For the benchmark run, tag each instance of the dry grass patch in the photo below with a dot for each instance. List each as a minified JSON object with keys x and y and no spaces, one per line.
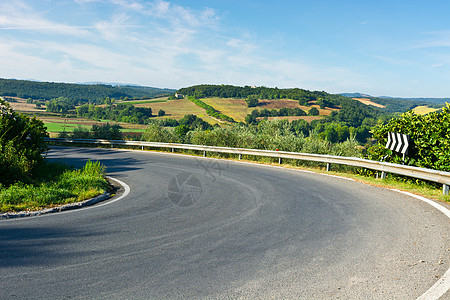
{"x":24,"y":107}
{"x":238,"y":110}
{"x":367,"y":101}
{"x":176,"y":109}
{"x":423,"y":110}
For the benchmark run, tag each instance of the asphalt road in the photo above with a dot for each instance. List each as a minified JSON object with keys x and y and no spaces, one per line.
{"x":203,"y":228}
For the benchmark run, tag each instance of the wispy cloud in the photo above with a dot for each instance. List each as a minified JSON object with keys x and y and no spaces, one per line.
{"x":152,"y":43}
{"x":177,"y":14}
{"x":435,"y":39}
{"x":129,"y":4}
{"x":394,"y":60}
{"x":16,"y":15}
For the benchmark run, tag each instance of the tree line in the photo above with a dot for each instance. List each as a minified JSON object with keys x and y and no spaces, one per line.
{"x":211,"y":110}
{"x":80,"y":92}
{"x":115,"y":112}
{"x":230,"y":91}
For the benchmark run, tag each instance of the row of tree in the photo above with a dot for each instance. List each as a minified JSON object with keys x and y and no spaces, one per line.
{"x":211,"y":110}
{"x":102,"y":131}
{"x":285,"y":111}
{"x":119,"y":113}
{"x":230,"y":91}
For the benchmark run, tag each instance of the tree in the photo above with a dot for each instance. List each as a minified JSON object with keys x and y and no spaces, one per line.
{"x":161,"y":113}
{"x":21,"y":144}
{"x":331,"y":134}
{"x":106,"y":131}
{"x":313,"y":111}
{"x":81,"y":133}
{"x":252,"y":101}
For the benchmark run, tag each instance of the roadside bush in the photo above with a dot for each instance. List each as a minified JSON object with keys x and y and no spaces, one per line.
{"x":156,"y":133}
{"x":429,"y":134}
{"x":106,"y":131}
{"x":102,"y":131}
{"x":80,"y":133}
{"x":21,"y":144}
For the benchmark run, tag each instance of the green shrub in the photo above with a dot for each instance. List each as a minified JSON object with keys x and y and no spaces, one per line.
{"x":156,"y":133}
{"x":429,"y":134}
{"x":21,"y":144}
{"x":252,"y":101}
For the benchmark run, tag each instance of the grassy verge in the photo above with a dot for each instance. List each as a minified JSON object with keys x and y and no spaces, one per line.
{"x":55,"y":184}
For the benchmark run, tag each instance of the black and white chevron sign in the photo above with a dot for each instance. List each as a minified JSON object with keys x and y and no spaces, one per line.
{"x":398,"y":142}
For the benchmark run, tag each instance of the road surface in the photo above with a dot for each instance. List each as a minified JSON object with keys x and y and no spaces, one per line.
{"x":204,"y":228}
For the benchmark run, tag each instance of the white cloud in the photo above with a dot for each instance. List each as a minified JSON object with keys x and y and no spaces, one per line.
{"x":129,"y":4}
{"x":18,"y":16}
{"x":86,"y":1}
{"x":181,"y":15}
{"x":154,"y":43}
{"x":436,"y":39}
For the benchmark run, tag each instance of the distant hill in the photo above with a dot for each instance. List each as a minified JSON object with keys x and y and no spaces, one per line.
{"x":395,"y":104}
{"x":81,"y":92}
{"x":355,"y":95}
{"x":431,"y":100}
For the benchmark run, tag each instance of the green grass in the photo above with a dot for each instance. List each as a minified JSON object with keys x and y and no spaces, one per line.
{"x":60,"y":127}
{"x":54,"y":184}
{"x":133,"y":130}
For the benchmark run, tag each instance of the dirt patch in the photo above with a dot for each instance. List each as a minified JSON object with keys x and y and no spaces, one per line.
{"x":277,"y":104}
{"x":22,"y":106}
{"x":367,"y":101}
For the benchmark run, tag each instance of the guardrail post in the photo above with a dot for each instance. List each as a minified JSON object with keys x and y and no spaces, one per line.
{"x":383,"y":167}
{"x":142,"y":148}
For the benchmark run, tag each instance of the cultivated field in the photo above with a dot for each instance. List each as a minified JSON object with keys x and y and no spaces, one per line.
{"x":22,"y":106}
{"x":56,"y":124}
{"x":176,"y":109}
{"x":238,"y":110}
{"x":423,"y":110}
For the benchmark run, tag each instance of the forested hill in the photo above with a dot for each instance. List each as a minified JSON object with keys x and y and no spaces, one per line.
{"x":81,"y":92}
{"x":351,"y":112}
{"x":304,"y":97}
{"x":231,"y":91}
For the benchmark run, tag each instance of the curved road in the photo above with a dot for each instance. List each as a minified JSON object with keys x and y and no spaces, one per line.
{"x":204,"y":228}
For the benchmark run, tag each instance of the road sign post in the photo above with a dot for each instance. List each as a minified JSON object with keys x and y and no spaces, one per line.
{"x":398,"y":142}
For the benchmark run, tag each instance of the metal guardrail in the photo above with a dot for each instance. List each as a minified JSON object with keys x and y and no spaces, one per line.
{"x":410,"y":171}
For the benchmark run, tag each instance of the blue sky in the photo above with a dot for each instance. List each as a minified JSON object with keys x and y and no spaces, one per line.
{"x":395,"y":48}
